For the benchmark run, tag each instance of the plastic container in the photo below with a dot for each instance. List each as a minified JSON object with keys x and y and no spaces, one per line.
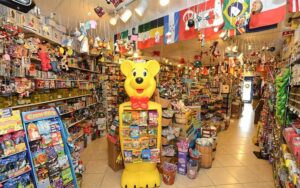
{"x":192,"y":168}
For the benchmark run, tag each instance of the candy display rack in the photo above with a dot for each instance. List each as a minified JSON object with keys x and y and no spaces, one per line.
{"x":14,"y":155}
{"x":49,"y":152}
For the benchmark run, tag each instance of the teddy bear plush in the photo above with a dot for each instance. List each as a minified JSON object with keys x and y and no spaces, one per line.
{"x":44,"y":57}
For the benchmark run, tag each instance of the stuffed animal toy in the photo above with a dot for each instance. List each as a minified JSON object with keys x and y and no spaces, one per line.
{"x":63,"y":65}
{"x":44,"y":57}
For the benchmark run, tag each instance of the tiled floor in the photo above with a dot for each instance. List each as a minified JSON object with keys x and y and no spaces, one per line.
{"x":235,"y":165}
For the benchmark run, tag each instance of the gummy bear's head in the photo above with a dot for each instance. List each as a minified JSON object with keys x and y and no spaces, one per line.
{"x":140,"y":78}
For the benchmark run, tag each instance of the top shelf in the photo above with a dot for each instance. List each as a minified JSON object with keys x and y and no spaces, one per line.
{"x":31,"y":33}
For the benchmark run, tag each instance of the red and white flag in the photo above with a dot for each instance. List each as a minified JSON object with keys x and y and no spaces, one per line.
{"x":207,"y":15}
{"x":294,"y":5}
{"x":266,"y":12}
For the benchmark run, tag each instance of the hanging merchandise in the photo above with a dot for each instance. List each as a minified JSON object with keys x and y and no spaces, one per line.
{"x":49,"y":149}
{"x":282,"y":81}
{"x":99,"y":11}
{"x":115,"y":2}
{"x":266,"y":12}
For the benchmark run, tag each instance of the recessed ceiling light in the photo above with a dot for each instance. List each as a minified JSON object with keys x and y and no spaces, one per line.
{"x":114,"y":20}
{"x":126,"y":15}
{"x":140,"y":9}
{"x":164,"y":2}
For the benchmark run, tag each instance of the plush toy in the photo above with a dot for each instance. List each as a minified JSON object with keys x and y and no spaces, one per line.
{"x":63,"y":65}
{"x":44,"y":56}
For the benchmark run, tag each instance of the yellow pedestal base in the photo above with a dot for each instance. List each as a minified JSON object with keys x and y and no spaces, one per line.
{"x":140,"y":175}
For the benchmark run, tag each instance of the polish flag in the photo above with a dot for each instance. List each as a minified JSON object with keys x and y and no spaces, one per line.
{"x":272,"y":12}
{"x":294,"y":5}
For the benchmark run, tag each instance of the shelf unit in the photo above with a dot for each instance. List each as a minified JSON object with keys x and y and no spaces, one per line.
{"x":17,"y":174}
{"x":3,"y":157}
{"x":46,"y":102}
{"x":77,"y":109}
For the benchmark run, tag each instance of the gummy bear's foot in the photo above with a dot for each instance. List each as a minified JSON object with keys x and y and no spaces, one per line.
{"x":130,"y":179}
{"x":150,"y":179}
{"x":140,"y":175}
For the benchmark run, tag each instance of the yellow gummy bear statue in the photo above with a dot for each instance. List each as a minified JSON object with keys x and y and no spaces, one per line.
{"x":140,"y":85}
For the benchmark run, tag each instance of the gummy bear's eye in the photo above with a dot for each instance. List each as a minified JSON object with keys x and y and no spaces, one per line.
{"x":134,"y":73}
{"x":144,"y":73}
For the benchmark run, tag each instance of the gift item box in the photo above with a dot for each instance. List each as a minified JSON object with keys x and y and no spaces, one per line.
{"x":113,"y":152}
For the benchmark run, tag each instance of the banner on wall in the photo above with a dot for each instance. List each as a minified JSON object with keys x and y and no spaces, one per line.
{"x":294,"y":6}
{"x":266,"y":12}
{"x":151,"y":33}
{"x":206,"y":16}
{"x":235,"y":13}
{"x":171,"y":28}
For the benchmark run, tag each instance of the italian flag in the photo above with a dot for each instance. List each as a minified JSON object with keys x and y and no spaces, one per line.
{"x":273,"y":12}
{"x":151,"y":33}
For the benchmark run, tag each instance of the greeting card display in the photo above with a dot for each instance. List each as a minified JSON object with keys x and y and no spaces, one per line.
{"x":49,"y":152}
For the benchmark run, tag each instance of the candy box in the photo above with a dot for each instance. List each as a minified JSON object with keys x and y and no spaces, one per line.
{"x":182,"y":162}
{"x":296,"y":145}
{"x":289,"y":133}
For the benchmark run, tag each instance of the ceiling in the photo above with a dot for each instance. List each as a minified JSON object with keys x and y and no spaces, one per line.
{"x":71,"y":12}
{"x":188,"y":49}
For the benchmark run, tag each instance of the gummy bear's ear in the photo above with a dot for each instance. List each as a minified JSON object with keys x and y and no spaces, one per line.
{"x":126,"y":67}
{"x":153,"y":67}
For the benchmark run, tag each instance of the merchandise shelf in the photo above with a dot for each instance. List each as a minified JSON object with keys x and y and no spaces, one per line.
{"x":46,"y":102}
{"x":78,"y":109}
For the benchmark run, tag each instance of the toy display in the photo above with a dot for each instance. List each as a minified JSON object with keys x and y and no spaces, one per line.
{"x":14,"y":161}
{"x":49,"y":152}
{"x":140,"y":126}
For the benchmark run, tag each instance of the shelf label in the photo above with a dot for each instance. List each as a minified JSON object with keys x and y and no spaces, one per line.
{"x":39,"y":114}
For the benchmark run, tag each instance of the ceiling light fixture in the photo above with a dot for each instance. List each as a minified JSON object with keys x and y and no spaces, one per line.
{"x":164,"y":2}
{"x":114,"y":20}
{"x":126,"y":15}
{"x":140,"y":9}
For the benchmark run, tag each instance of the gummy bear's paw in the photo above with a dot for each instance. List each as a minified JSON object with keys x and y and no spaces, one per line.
{"x":150,"y":179}
{"x":130,"y":179}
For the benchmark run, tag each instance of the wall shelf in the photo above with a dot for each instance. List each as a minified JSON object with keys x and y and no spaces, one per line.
{"x":46,"y":102}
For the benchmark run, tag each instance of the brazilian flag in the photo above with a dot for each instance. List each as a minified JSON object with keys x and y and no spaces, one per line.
{"x":235,"y":13}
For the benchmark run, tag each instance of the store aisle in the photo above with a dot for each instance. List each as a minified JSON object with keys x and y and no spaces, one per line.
{"x":235,"y":165}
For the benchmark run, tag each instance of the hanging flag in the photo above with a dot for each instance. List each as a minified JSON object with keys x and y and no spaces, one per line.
{"x":151,"y":33}
{"x":124,"y":35}
{"x":171,"y":28}
{"x":206,"y":16}
{"x":235,"y":13}
{"x":157,"y":31}
{"x":267,"y":12}
{"x":133,"y":33}
{"x":294,"y":5}
{"x":144,"y":35}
